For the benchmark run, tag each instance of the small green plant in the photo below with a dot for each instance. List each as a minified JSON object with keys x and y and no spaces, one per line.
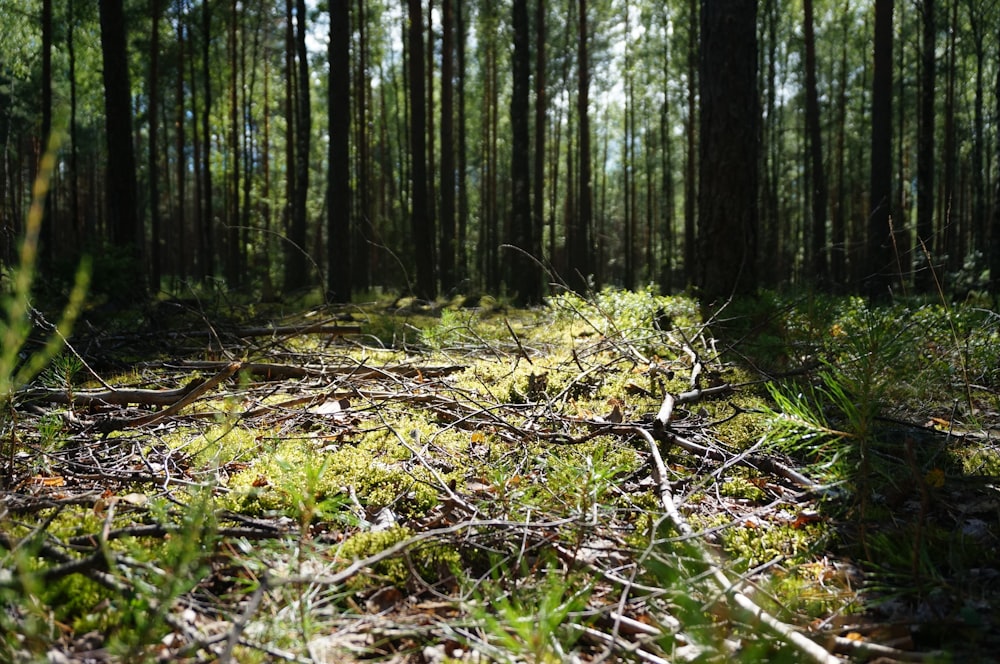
{"x":537,"y":624}
{"x":15,"y":325}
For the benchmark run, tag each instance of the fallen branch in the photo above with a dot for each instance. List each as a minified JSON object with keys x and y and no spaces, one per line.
{"x":119,"y":423}
{"x":750,"y":611}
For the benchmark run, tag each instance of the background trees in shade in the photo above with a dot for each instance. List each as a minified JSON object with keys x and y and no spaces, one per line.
{"x":432,"y":147}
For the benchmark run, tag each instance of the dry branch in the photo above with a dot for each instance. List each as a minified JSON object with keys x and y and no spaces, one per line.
{"x":746,"y":606}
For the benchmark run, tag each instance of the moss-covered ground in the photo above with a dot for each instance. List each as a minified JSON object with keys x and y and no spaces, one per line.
{"x":463,"y":481}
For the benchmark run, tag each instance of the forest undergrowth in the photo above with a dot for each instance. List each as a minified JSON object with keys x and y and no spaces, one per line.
{"x":614,"y":478}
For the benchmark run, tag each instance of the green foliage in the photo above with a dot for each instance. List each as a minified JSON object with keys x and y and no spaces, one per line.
{"x":535,"y":623}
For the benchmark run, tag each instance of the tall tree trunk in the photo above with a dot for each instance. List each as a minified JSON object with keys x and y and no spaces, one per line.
{"x":74,"y":155}
{"x":580,"y":224}
{"x":994,"y":243}
{"x":691,"y":132}
{"x":628,"y":163}
{"x":431,"y":115}
{"x":363,"y":212}
{"x":838,"y":252}
{"x":541,"y":113}
{"x":879,"y":259}
{"x":978,"y":24}
{"x":817,"y":172}
{"x":948,"y":245}
{"x":207,"y":230}
{"x":523,"y":275}
{"x":122,"y":206}
{"x":727,"y":181}
{"x":155,"y":221}
{"x":338,"y":251}
{"x":297,"y":273}
{"x":447,"y":250}
{"x":422,"y":225}
{"x":293,"y":245}
{"x":462,"y":258}
{"x":234,"y":274}
{"x":924,"y":278}
{"x":47,"y":232}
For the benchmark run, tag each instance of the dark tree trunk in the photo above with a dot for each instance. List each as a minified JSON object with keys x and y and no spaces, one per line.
{"x":207,"y":218}
{"x":74,"y":156}
{"x":122,"y":205}
{"x":296,"y":272}
{"x":523,"y":274}
{"x":878,"y":280}
{"x":838,"y":253}
{"x":541,"y":111}
{"x":579,"y":225}
{"x":994,"y":244}
{"x":463,"y":194}
{"x":727,"y":182}
{"x":924,"y":280}
{"x":447,"y":264}
{"x":47,"y":232}
{"x":422,"y":225}
{"x":691,"y":133}
{"x":817,"y":172}
{"x":234,"y":273}
{"x":338,"y":251}
{"x":155,"y":221}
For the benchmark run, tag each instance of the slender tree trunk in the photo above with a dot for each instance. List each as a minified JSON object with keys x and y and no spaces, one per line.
{"x":232,"y":261}
{"x":880,"y":264}
{"x":338,"y":251}
{"x":297,"y":273}
{"x":447,"y":251}
{"x":541,"y":112}
{"x":422,"y":225}
{"x":994,"y":244}
{"x":462,"y":258}
{"x":364,"y":213}
{"x":74,"y":155}
{"x":977,"y":24}
{"x":155,"y":221}
{"x":949,"y":216}
{"x":523,"y":274}
{"x":628,"y":163}
{"x":924,"y":279}
{"x":691,"y":132}
{"x":819,"y":186}
{"x":207,"y":244}
{"x":838,"y":253}
{"x":47,"y":232}
{"x":578,"y":232}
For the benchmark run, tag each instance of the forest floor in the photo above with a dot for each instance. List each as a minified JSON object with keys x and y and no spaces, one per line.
{"x":618,"y":478}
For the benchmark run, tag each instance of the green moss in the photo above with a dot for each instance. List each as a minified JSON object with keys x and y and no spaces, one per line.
{"x":433,"y":562}
{"x":743,"y":488}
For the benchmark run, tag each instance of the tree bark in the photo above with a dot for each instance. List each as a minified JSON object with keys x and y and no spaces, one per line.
{"x":121,"y":202}
{"x":924,"y":278}
{"x":206,"y":265}
{"x":817,"y":172}
{"x":296,"y":270}
{"x":727,"y":182}
{"x":579,"y":225}
{"x":523,"y":275}
{"x":878,"y":280}
{"x":422,"y":226}
{"x":339,"y":276}
{"x":447,"y":128}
